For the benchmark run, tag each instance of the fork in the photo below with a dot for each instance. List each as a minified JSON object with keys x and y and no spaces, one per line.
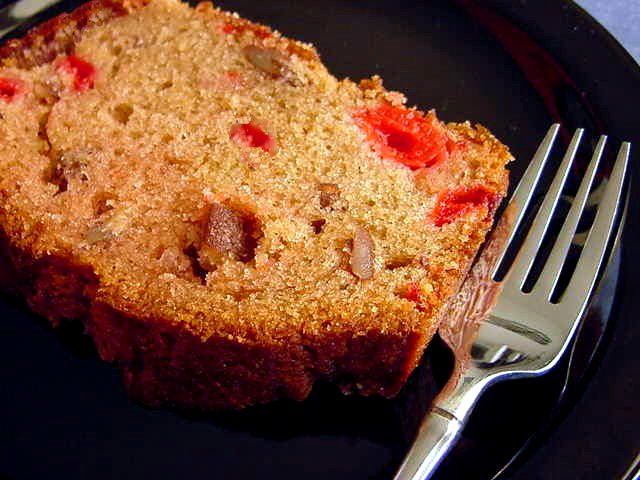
{"x":14,"y":14}
{"x":526,"y":333}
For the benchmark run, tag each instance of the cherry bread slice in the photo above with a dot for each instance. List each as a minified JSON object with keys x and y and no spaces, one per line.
{"x":230,"y":222}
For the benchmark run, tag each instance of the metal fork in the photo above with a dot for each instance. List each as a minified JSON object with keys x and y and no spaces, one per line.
{"x":15,"y":14}
{"x":526,"y":333}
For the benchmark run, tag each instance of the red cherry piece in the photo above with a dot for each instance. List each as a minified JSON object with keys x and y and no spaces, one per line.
{"x":229,"y":28}
{"x":83,"y":72}
{"x":404,"y":135}
{"x":412,"y":293}
{"x":250,"y":135}
{"x":452,"y":204}
{"x":10,"y":88}
{"x":257,"y":30}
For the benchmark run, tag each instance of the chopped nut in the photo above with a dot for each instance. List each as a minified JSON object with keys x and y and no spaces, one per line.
{"x":103,"y":202}
{"x":318,"y":225}
{"x":224,"y":234}
{"x":98,"y":233}
{"x":230,"y":233}
{"x":271,"y":62}
{"x":70,"y":167}
{"x":362,"y":254}
{"x":329,"y":194}
{"x":400,"y":261}
{"x":122,"y":113}
{"x":267,"y":60}
{"x":174,"y":261}
{"x":109,"y":228}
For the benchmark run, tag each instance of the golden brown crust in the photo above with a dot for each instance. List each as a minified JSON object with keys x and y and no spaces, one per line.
{"x":372,"y":88}
{"x":235,"y":25}
{"x":223,"y":373}
{"x":215,"y":339}
{"x":58,"y":35}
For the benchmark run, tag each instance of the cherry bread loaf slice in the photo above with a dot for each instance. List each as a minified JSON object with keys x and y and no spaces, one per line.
{"x":229,"y":221}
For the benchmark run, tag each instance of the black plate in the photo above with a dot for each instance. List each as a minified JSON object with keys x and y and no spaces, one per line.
{"x":515,"y":67}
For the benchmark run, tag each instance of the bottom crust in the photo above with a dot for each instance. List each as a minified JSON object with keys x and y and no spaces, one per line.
{"x":165,"y":365}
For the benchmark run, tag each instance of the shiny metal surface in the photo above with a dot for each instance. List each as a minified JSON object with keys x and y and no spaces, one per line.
{"x":526,"y":334}
{"x":437,"y":434}
{"x":17,"y":13}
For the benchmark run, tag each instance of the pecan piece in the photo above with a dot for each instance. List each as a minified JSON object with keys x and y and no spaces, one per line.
{"x":267,"y":60}
{"x":329,"y":194}
{"x":229,"y":233}
{"x":362,"y":254}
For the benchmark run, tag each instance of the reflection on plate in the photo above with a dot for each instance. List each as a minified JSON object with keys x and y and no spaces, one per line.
{"x":513,"y":66}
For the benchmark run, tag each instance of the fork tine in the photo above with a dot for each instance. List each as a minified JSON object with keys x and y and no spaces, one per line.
{"x":532,"y":242}
{"x":553,"y":266}
{"x":524,"y":191}
{"x":592,"y":257}
{"x":16,"y":13}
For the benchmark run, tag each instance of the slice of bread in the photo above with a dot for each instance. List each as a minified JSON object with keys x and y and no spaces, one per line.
{"x":230,"y":222}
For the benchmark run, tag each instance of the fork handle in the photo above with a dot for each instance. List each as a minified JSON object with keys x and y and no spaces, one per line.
{"x":438,"y":433}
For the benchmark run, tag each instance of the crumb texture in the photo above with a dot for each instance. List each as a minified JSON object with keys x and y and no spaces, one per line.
{"x":230,"y":221}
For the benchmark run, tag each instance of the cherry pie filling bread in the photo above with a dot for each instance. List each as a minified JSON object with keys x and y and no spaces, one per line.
{"x":229,"y":221}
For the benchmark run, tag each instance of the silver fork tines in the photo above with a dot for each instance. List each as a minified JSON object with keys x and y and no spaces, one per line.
{"x":17,"y":13}
{"x":526,"y":334}
{"x":592,"y":258}
{"x":551,"y":271}
{"x":532,"y":243}
{"x":523,"y":193}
